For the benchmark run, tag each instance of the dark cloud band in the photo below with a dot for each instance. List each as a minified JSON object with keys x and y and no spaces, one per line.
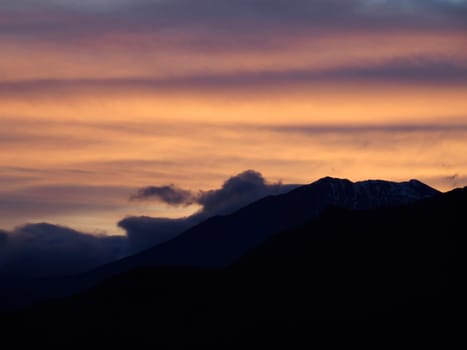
{"x":230,"y":14}
{"x":411,"y":70}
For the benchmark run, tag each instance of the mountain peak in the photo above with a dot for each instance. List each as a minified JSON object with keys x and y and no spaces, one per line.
{"x":330,"y":179}
{"x":412,"y":183}
{"x":221,"y":240}
{"x":366,"y":194}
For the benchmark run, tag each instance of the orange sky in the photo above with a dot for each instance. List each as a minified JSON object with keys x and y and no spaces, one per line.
{"x":91,"y":114}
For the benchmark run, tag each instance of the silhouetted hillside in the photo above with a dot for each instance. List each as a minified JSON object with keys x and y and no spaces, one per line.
{"x":221,"y":240}
{"x":388,"y":278}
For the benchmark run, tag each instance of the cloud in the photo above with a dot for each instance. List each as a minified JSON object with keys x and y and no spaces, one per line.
{"x":236,"y":192}
{"x":451,"y":127}
{"x":3,"y":238}
{"x":45,"y":250}
{"x":144,"y":232}
{"x":402,"y":70}
{"x":227,"y":19}
{"x":183,"y":11}
{"x":170,"y":194}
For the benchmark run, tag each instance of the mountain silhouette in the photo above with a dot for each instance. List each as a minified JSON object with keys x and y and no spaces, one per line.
{"x":221,"y":240}
{"x":379,"y":278}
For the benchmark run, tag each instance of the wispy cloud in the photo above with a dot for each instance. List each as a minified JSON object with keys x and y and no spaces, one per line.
{"x":416,"y":70}
{"x":169,"y":194}
{"x":365,"y":128}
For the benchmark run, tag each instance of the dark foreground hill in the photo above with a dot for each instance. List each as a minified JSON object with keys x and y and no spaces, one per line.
{"x":379,"y":279}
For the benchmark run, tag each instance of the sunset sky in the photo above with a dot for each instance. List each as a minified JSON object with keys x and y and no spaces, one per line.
{"x":100,"y":98}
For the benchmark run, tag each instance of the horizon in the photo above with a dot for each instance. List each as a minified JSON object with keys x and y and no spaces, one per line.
{"x":195,"y":207}
{"x":240,"y":215}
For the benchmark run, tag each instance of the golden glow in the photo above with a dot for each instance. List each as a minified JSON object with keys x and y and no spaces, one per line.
{"x":66,"y":124}
{"x":156,"y":56}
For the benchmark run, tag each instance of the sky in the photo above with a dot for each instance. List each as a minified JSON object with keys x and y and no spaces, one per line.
{"x":115,"y":109}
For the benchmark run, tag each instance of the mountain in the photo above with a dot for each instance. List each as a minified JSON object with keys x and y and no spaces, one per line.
{"x":221,"y":240}
{"x":389,"y":278}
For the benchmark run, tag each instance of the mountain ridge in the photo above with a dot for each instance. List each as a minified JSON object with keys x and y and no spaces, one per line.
{"x":309,"y":200}
{"x":221,"y":240}
{"x":380,"y":278}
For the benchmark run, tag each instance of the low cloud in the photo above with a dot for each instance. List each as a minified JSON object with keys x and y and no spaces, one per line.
{"x":44,"y":250}
{"x":144,"y":232}
{"x":170,"y":194}
{"x":236,"y":192}
{"x":3,"y":238}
